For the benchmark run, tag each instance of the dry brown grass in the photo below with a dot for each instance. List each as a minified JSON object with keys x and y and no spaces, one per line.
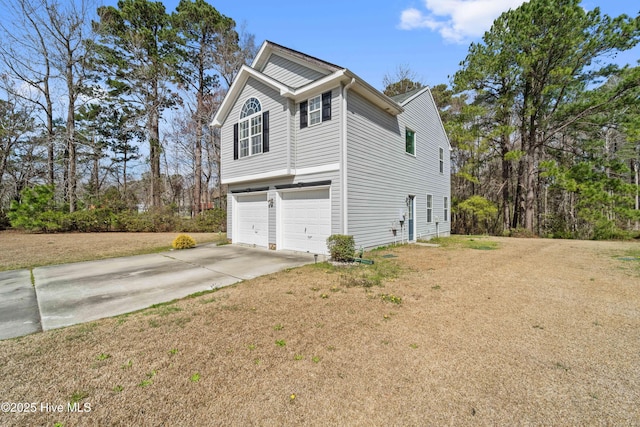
{"x":22,"y":250}
{"x":536,"y":332}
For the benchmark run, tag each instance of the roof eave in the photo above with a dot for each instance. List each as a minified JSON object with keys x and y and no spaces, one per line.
{"x":238,"y":85}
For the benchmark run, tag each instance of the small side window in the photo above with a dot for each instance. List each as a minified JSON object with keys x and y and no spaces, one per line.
{"x":446,"y":209}
{"x":410,"y":141}
{"x":441,"y":160}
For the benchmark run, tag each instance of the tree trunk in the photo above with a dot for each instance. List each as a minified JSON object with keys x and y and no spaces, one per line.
{"x":506,"y":177}
{"x":154,"y":147}
{"x":71,"y":147}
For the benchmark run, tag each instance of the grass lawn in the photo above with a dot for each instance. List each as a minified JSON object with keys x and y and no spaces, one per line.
{"x":22,"y":250}
{"x":480,"y":331}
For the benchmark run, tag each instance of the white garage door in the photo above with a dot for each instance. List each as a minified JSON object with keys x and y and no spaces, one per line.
{"x":252,"y":220}
{"x":306,"y":220}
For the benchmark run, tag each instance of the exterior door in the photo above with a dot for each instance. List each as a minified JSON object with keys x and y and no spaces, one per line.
{"x":411,"y":217}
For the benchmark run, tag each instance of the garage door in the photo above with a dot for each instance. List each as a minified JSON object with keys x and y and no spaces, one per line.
{"x":252,"y":220}
{"x":306,"y":220}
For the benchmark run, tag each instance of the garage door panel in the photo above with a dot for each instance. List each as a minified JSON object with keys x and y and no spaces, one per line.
{"x":306,"y":220}
{"x":252,"y":220}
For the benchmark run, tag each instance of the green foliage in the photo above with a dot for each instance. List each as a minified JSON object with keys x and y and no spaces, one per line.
{"x":479,"y":207}
{"x":35,"y":210}
{"x":605,"y":201}
{"x":514,"y":155}
{"x":538,"y":76}
{"x":341,"y":247}
{"x":401,"y":87}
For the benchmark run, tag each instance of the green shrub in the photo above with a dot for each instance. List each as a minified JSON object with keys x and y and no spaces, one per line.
{"x":91,"y":220}
{"x":522,"y":232}
{"x":34,"y":211}
{"x":4,"y":221}
{"x":183,"y":241}
{"x":341,"y":247}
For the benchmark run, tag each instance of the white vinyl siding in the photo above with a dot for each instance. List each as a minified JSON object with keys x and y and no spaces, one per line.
{"x":276,"y":158}
{"x":318,"y":145}
{"x":381,"y":175}
{"x":290,"y":73}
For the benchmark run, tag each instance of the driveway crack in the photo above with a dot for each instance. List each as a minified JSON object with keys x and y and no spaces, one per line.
{"x":202,"y":266}
{"x":35,"y":296}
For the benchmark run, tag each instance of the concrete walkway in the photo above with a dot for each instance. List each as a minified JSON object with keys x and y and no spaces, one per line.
{"x":75,"y":293}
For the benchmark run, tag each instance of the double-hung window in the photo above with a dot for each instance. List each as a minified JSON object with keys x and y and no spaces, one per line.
{"x":251,"y":133}
{"x":315,"y":110}
{"x":429,"y":208}
{"x":441,"y":160}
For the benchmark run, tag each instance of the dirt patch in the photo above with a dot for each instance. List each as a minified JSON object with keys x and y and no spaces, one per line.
{"x":532,"y":332}
{"x":21,"y":250}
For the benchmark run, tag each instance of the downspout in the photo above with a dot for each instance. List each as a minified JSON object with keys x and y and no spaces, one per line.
{"x":289,"y":140}
{"x":343,"y":159}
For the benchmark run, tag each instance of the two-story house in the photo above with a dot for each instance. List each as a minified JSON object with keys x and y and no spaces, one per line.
{"x":309,"y":149}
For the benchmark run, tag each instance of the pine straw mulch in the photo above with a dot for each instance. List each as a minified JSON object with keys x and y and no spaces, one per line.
{"x":535,"y":332}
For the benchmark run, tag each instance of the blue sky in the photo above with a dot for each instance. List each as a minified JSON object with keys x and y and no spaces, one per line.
{"x":373,"y":38}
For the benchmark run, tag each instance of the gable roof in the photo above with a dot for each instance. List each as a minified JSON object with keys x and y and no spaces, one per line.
{"x":407,"y":97}
{"x":334,"y":76}
{"x":269,"y":47}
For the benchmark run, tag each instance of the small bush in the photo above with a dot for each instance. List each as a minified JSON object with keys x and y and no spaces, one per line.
{"x":522,"y":232}
{"x":341,"y":247}
{"x":183,"y":241}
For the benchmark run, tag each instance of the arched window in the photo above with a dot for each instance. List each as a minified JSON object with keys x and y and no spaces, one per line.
{"x":251,"y":107}
{"x":250,"y":128}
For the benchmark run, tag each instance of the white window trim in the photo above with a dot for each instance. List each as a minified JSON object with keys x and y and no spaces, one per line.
{"x":446,"y":209}
{"x":318,"y":110}
{"x":248,"y":120}
{"x":429,"y":208}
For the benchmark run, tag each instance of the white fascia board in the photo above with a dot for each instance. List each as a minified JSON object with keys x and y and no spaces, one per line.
{"x":435,"y":107}
{"x":415,"y":95}
{"x":374,"y":95}
{"x":236,"y":88}
{"x":328,"y":82}
{"x":344,"y":76}
{"x":257,"y":176}
{"x":263,"y":53}
{"x":283,"y":173}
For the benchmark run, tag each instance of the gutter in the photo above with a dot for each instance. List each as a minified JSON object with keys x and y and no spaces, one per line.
{"x":343,"y":159}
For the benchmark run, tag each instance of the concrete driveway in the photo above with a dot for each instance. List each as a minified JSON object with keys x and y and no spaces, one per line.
{"x":75,"y":293}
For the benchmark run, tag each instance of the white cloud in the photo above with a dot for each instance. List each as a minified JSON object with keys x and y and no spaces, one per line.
{"x":457,"y":21}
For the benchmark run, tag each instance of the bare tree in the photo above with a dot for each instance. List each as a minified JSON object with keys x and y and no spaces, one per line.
{"x":234,"y":50}
{"x":401,"y":81}
{"x":25,"y":54}
{"x":67,"y":28}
